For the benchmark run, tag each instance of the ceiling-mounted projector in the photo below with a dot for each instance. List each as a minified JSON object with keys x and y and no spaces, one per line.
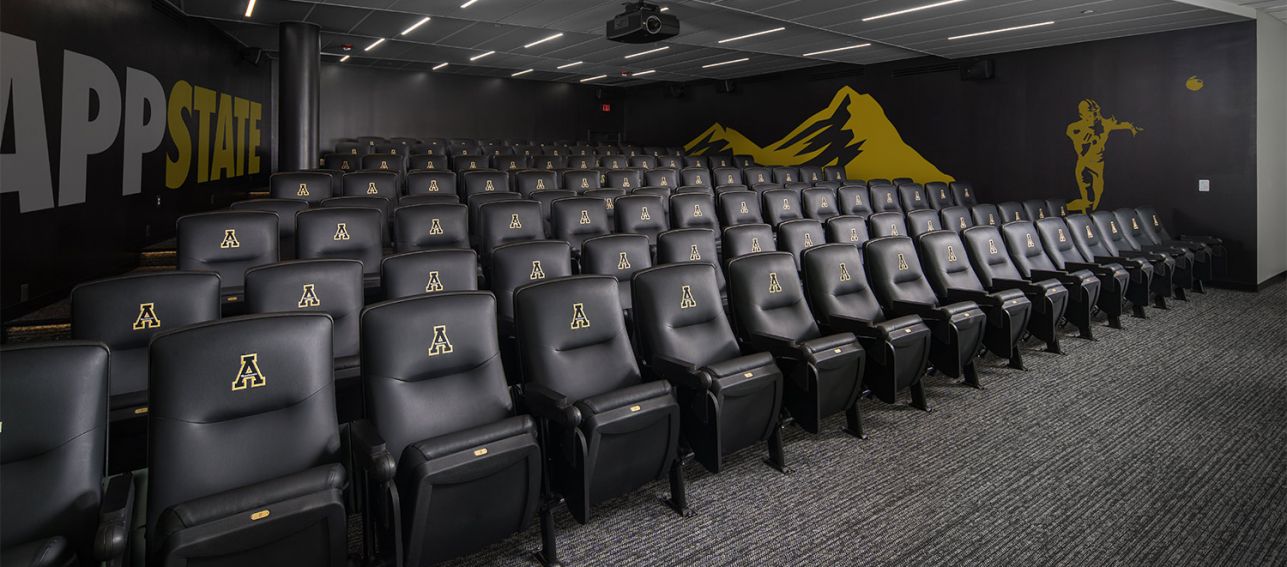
{"x":642,"y":23}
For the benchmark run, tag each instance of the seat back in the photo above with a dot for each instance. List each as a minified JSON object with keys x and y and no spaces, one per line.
{"x":572,"y":336}
{"x":695,"y":176}
{"x":429,"y":271}
{"x":986,"y":215}
{"x":956,"y":218}
{"x":1087,"y":237}
{"x":767,"y":297}
{"x":581,"y":180}
{"x":781,"y":205}
{"x":383,"y":162}
{"x":679,"y":315}
{"x":695,"y":161}
{"x":1153,"y":224}
{"x":746,"y":239}
{"x":641,"y":214}
{"x":432,"y":181}
{"x":515,"y":265}
{"x":836,"y":284}
{"x":372,"y":184}
{"x":947,"y":263}
{"x":819,"y":203}
{"x":785,"y":174}
{"x":430,"y":226}
{"x":513,"y":220}
{"x":895,"y":272}
{"x":548,"y":162}
{"x":624,"y":179}
{"x":694,"y":210}
{"x":218,"y":388}
{"x":509,"y":162}
{"x":614,"y":161}
{"x":461,"y":163}
{"x":483,"y":181}
{"x":705,"y":189}
{"x":53,"y":397}
{"x":963,"y":194}
{"x":662,"y":177}
{"x":1012,"y":211}
{"x":1134,"y":226}
{"x":1027,"y":250}
{"x":1057,"y":207}
{"x":811,"y":174}
{"x":333,"y":287}
{"x":922,"y":221}
{"x":887,"y":224}
{"x":847,"y":229}
{"x":532,"y":180}
{"x":575,"y":219}
{"x":989,"y":256}
{"x":719,"y":160}
{"x":1112,"y":233}
{"x":285,"y":210}
{"x":757,"y":174}
{"x":342,"y":161}
{"x":1036,"y":209}
{"x":690,"y":245}
{"x":796,"y":186}
{"x":420,"y":161}
{"x":310,"y":186}
{"x":476,"y":202}
{"x":740,"y":207}
{"x":1057,"y":240}
{"x":347,"y":233}
{"x":912,"y":197}
{"x":938,"y":195}
{"x":854,"y":200}
{"x":432,"y":366}
{"x":643,"y":162}
{"x":884,"y":198}
{"x":582,"y":161}
{"x":227,"y":242}
{"x":799,"y":235}
{"x":835,"y":173}
{"x":726,"y":176}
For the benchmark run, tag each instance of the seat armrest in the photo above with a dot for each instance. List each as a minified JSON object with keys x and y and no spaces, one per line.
{"x":679,"y":373}
{"x":860,"y":327}
{"x":829,"y":342}
{"x":623,"y":397}
{"x":1129,"y":262}
{"x":114,"y":513}
{"x":1201,"y":238}
{"x":972,"y":295}
{"x":548,"y":404}
{"x":739,"y":365}
{"x":922,"y":310}
{"x":457,"y":441}
{"x":370,"y":452}
{"x":778,"y":345}
{"x":243,"y":499}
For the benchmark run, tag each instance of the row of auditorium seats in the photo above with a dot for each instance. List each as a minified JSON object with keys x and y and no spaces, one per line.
{"x":692,"y":336}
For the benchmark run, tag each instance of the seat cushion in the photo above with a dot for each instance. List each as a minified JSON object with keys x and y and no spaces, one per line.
{"x":625,"y":396}
{"x":48,"y":552}
{"x":444,"y":445}
{"x":247,"y":498}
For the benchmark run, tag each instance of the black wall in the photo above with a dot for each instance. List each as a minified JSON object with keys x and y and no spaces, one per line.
{"x":55,"y":239}
{"x":1007,"y":135}
{"x":359,"y":101}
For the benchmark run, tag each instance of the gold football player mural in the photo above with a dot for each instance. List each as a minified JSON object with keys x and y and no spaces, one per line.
{"x":1089,"y":134}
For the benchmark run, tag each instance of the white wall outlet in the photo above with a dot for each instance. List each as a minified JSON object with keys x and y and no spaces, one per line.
{"x":1204,"y":185}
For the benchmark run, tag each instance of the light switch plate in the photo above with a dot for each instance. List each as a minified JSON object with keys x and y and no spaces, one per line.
{"x":1204,"y":185}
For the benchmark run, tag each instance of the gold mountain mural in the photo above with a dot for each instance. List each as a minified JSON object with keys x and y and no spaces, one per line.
{"x":852,"y":131}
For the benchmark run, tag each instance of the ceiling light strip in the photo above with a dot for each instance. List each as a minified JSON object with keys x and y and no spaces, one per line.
{"x":413,"y":27}
{"x":642,"y":73}
{"x":572,"y":64}
{"x":439,"y":66}
{"x":468,"y":4}
{"x":523,"y":72}
{"x":662,"y":48}
{"x":374,"y":44}
{"x":345,"y":58}
{"x":481,"y":55}
{"x":845,"y":48}
{"x":543,"y":40}
{"x":594,"y":78}
{"x":726,"y":63}
{"x":728,"y":39}
{"x":910,"y":10}
{"x":1002,"y":30}
{"x":250,"y":8}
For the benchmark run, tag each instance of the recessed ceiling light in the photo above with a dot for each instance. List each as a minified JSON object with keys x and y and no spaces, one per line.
{"x":543,"y":40}
{"x":374,"y":44}
{"x":468,"y":4}
{"x":250,"y":8}
{"x":439,"y":66}
{"x":642,"y":73}
{"x":422,"y":22}
{"x":664,"y":8}
{"x":989,"y":32}
{"x":728,"y":39}
{"x":523,"y":72}
{"x":481,"y":55}
{"x":845,"y":48}
{"x":662,"y":48}
{"x":572,"y":64}
{"x":1088,"y":11}
{"x":726,"y":62}
{"x":345,"y":58}
{"x":594,"y":78}
{"x":913,"y":9}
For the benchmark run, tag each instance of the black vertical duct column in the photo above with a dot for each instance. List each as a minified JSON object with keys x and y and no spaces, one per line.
{"x":298,"y":100}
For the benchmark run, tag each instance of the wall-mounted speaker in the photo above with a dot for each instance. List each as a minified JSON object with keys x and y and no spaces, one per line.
{"x":979,"y":70}
{"x":726,"y":86}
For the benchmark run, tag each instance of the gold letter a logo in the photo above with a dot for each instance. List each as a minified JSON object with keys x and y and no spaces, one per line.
{"x":303,"y":190}
{"x":537,"y":272}
{"x":309,"y":298}
{"x":147,"y":317}
{"x":579,"y":320}
{"x":686,"y":300}
{"x":230,"y":239}
{"x":341,"y":232}
{"x":774,"y":286}
{"x":249,"y":376}
{"x":440,"y":343}
{"x":435,"y":282}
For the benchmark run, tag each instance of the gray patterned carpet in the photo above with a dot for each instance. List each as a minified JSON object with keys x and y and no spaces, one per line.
{"x":1161,"y":444}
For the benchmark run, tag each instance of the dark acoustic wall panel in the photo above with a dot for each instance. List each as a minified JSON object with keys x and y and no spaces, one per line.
{"x":1190,"y":95}
{"x":118,"y":117}
{"x":360,"y":101}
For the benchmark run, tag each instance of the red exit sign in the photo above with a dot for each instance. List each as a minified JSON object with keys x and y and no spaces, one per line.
{"x":606,"y":107}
